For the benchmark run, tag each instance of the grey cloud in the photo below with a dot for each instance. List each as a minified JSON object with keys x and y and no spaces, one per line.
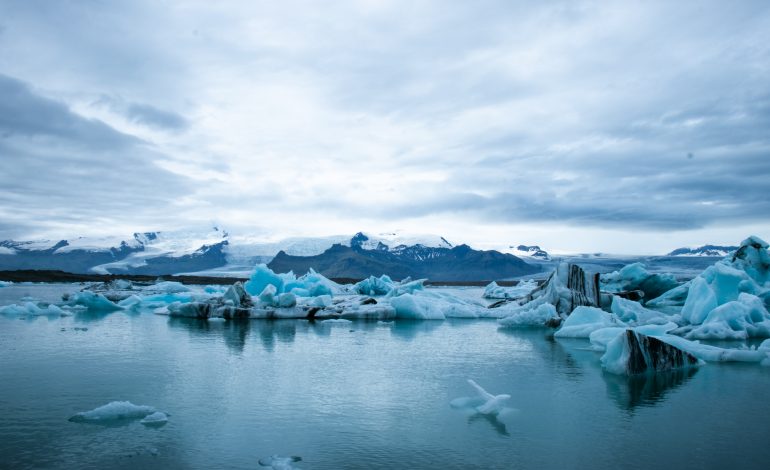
{"x":154,"y":117}
{"x":593,"y":107}
{"x":58,"y":168}
{"x":145,"y":114}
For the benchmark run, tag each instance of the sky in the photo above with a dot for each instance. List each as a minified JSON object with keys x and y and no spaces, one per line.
{"x":621,"y":127}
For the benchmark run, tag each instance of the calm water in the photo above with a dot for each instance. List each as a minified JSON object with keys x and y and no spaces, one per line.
{"x":357,"y":395}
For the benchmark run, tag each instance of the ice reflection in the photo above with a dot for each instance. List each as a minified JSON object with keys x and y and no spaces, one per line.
{"x":645,"y":389}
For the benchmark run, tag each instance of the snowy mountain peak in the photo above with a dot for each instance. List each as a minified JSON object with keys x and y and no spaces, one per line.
{"x":705,"y":250}
{"x":530,"y":251}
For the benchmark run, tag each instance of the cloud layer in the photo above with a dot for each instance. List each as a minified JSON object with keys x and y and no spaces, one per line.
{"x":301,"y":119}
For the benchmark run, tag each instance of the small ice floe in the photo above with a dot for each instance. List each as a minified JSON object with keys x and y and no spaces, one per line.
{"x":277,"y":462}
{"x":32,"y":309}
{"x":156,"y":419}
{"x":115,"y":411}
{"x":484,"y":403}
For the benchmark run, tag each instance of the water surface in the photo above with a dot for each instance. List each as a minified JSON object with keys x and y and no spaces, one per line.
{"x":357,"y":395}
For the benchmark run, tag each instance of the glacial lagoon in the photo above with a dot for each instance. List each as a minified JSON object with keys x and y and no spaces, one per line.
{"x":360,"y":394}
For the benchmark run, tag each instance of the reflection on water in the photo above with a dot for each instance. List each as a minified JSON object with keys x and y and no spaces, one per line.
{"x":493,"y":420}
{"x":645,"y":389}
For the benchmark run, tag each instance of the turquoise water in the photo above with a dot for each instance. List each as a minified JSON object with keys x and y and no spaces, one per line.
{"x":357,"y":395}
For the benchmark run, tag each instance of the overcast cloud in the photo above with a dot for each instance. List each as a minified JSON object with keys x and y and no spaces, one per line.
{"x":582,"y":126}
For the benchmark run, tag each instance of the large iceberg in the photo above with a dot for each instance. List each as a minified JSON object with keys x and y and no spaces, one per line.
{"x":634,"y":353}
{"x":567,"y":288}
{"x":728,"y":300}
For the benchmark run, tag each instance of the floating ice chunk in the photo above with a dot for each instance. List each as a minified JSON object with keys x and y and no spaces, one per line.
{"x":531,"y":316}
{"x":156,"y":419}
{"x":32,"y":309}
{"x":602,"y":337}
{"x":322,"y":301}
{"x":494,"y":291}
{"x":5,"y":283}
{"x":585,"y":320}
{"x":484,"y":403}
{"x":114,"y":411}
{"x":700,"y":301}
{"x":237,"y":296}
{"x":93,"y":302}
{"x":431,"y":305}
{"x":739,"y":319}
{"x":169,"y":287}
{"x":130,"y":301}
{"x":636,"y":277}
{"x":312,"y":284}
{"x":374,"y":285}
{"x":634,"y":313}
{"x":710,"y":353}
{"x":632,"y":353}
{"x":261,"y":278}
{"x":276,"y":462}
{"x":568,"y":287}
{"x":409,"y":306}
{"x":286,"y":300}
{"x":673,"y":299}
{"x":267,"y":296}
{"x":406,"y":287}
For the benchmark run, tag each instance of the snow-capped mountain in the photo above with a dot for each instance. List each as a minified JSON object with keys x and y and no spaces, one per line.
{"x":142,"y":253}
{"x":705,"y":250}
{"x":530,"y":251}
{"x":194,"y":251}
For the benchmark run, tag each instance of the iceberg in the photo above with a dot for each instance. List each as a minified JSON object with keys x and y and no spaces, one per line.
{"x":738,"y":319}
{"x":113,"y":411}
{"x":585,"y":320}
{"x":494,"y":291}
{"x":568,"y":287}
{"x":428,"y":305}
{"x":728,"y":300}
{"x":93,"y":302}
{"x":169,"y":287}
{"x":32,"y":309}
{"x":633,"y":353}
{"x":635,"y":277}
{"x":374,"y":285}
{"x":311,"y":284}
{"x":534,"y":316}
{"x":261,"y":277}
{"x":634,"y":313}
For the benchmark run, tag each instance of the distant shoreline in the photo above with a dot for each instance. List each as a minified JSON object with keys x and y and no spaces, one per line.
{"x":51,"y":276}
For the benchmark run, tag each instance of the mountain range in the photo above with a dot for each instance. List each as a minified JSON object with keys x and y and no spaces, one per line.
{"x":216,"y":251}
{"x":705,"y":250}
{"x":446,"y":263}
